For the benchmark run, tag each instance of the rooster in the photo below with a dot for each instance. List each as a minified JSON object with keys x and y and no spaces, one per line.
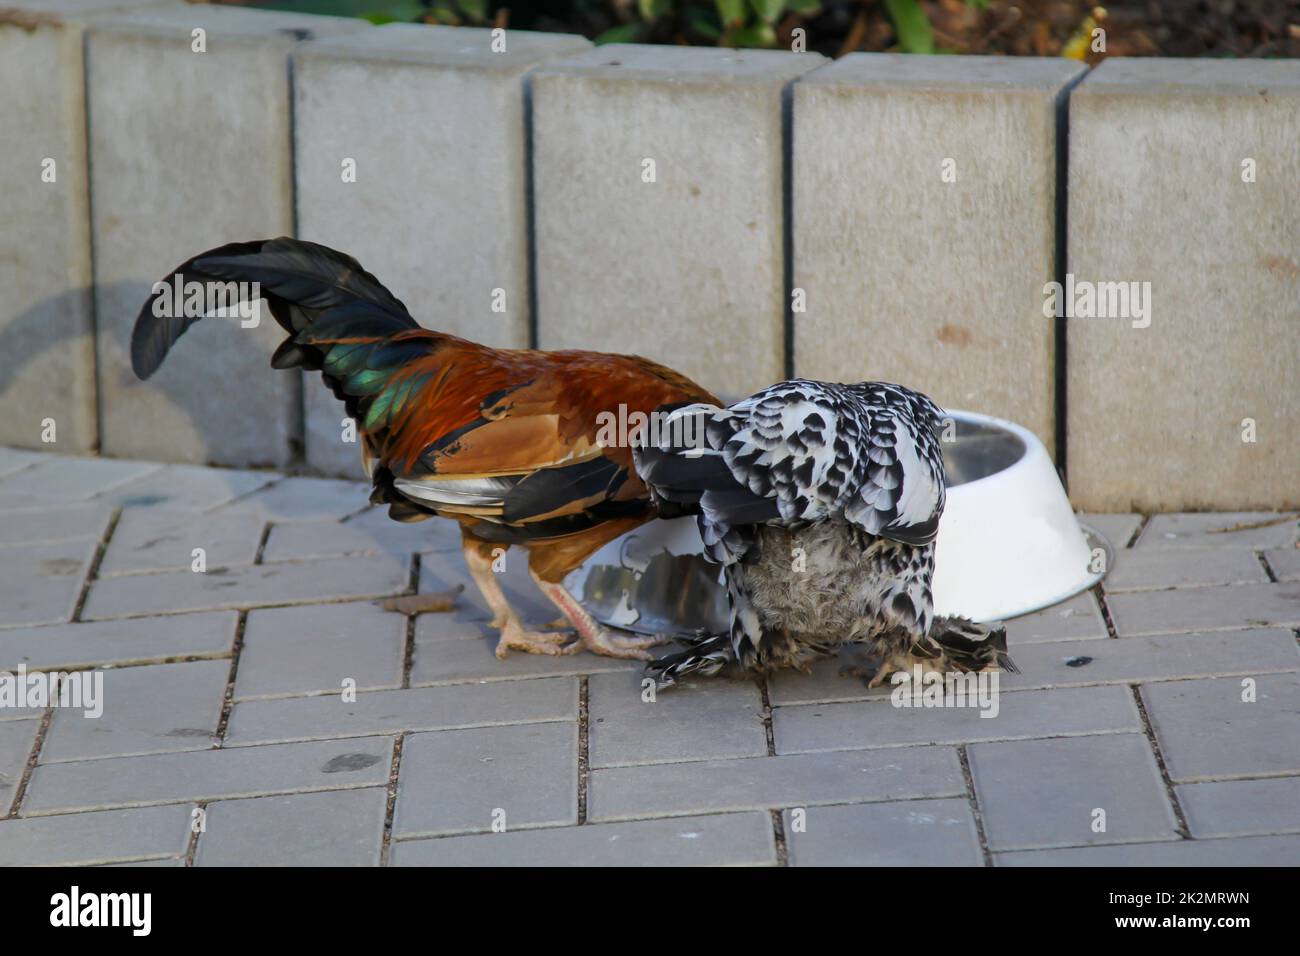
{"x":504,"y":441}
{"x":821,"y":502}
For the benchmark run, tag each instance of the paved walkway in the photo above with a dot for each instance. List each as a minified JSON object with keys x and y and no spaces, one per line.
{"x":1155,"y":721}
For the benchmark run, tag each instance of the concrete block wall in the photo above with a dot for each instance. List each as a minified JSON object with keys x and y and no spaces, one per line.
{"x":915,"y":204}
{"x":191,"y":149}
{"x":925,"y":227}
{"x":411,"y":156}
{"x":47,"y":373}
{"x":659,"y":201}
{"x":1186,"y":175}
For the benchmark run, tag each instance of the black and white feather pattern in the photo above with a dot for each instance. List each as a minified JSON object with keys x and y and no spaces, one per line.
{"x":804,"y":451}
{"x":850,"y":477}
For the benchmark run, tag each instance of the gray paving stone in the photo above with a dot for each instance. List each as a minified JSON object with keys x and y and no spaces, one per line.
{"x":334,"y":828}
{"x":332,"y":579}
{"x":157,"y":709}
{"x":1136,"y":570}
{"x":1205,"y":609}
{"x":40,"y":583}
{"x":82,"y":839}
{"x":728,"y":839}
{"x":1285,"y":563}
{"x":16,"y":740}
{"x":753,"y":783}
{"x":1076,"y":619}
{"x":149,"y":640}
{"x":456,"y":661}
{"x":1241,"y":851}
{"x":312,"y":649}
{"x":319,"y":539}
{"x":20,"y":713}
{"x":1117,"y":528}
{"x":394,"y":711}
{"x":1211,"y":530}
{"x":1241,"y":807}
{"x":906,"y":833}
{"x":210,"y":775}
{"x":303,"y":499}
{"x":1206,"y":730}
{"x":458,"y":780}
{"x":862,"y":725}
{"x":1160,"y":658}
{"x":157,"y":539}
{"x":1042,"y":793}
{"x":23,"y":502}
{"x":72,"y":479}
{"x":192,"y":487}
{"x":158,"y":861}
{"x":63,"y":523}
{"x":703,"y":720}
{"x":1130,"y":660}
{"x":13,"y":460}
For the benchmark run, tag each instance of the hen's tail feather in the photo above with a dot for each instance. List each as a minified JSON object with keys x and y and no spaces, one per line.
{"x":707,"y":654}
{"x":302,"y":282}
{"x":972,"y":647}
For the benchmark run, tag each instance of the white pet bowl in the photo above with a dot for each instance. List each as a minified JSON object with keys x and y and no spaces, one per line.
{"x":1008,"y":544}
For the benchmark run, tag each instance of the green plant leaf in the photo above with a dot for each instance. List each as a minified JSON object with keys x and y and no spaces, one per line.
{"x":768,"y":10}
{"x":808,"y":8}
{"x":915,"y":34}
{"x":474,"y":9}
{"x":756,"y":35}
{"x":731,"y":12}
{"x":652,"y":10}
{"x":402,"y":11}
{"x":624,"y":33}
{"x":704,"y":22}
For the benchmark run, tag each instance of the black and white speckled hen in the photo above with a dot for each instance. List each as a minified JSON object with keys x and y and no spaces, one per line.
{"x":821,"y":502}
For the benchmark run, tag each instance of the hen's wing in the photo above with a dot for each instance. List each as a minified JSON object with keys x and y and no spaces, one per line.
{"x":802,"y":451}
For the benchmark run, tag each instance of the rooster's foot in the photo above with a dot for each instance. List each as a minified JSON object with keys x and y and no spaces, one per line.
{"x":515,"y":637}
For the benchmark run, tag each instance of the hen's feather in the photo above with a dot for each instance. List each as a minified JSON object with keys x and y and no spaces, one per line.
{"x":822,"y":502}
{"x":803,"y":451}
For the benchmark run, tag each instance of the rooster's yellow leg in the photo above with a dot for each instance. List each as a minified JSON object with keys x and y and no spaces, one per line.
{"x":514,"y":636}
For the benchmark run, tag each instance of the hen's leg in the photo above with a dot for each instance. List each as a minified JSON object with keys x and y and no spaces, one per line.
{"x":478,"y":558}
{"x":591,"y":634}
